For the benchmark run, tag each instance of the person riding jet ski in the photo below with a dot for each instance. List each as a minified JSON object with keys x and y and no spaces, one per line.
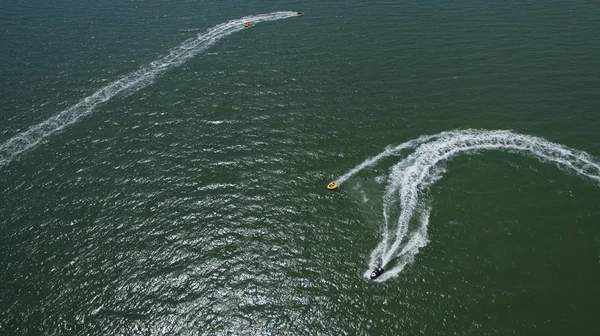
{"x":376,"y":273}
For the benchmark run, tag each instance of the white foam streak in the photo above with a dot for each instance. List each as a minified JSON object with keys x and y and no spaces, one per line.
{"x":410,"y":179}
{"x":132,"y":82}
{"x":388,"y":152}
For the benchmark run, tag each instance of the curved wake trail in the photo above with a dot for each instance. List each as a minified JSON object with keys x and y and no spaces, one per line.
{"x":130,"y":83}
{"x":388,"y":152}
{"x":405,"y":206}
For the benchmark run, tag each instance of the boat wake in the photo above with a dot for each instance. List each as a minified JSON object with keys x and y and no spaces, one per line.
{"x":406,"y":208}
{"x":130,"y":83}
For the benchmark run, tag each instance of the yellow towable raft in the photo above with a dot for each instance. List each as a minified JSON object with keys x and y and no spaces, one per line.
{"x":332,"y":186}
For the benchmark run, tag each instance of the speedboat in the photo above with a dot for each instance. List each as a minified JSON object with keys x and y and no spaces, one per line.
{"x":248,"y":25}
{"x":300,"y":13}
{"x":332,"y":186}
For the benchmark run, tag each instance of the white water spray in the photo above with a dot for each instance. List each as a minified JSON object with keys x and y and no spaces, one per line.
{"x":405,"y":207}
{"x":130,"y":83}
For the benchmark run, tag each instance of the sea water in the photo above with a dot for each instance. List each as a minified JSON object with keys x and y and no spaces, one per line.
{"x":163,"y":169}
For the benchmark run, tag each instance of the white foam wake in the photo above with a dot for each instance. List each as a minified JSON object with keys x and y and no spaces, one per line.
{"x":405,"y":205}
{"x":132,"y":82}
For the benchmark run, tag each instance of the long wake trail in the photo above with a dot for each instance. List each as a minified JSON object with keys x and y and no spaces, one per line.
{"x":132,"y":82}
{"x":406,"y":207}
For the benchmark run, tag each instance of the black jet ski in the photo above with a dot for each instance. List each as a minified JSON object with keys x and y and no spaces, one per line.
{"x":300,"y":13}
{"x":376,"y":273}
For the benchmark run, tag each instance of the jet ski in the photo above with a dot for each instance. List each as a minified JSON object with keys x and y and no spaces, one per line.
{"x":300,"y":13}
{"x":376,"y":273}
{"x":248,"y":25}
{"x":332,"y":186}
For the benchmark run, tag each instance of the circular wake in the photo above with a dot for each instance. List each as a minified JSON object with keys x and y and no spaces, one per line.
{"x":405,"y":209}
{"x":128,"y":84}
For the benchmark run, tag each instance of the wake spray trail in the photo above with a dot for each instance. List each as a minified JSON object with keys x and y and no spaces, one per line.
{"x":409,"y":180}
{"x":130,"y":83}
